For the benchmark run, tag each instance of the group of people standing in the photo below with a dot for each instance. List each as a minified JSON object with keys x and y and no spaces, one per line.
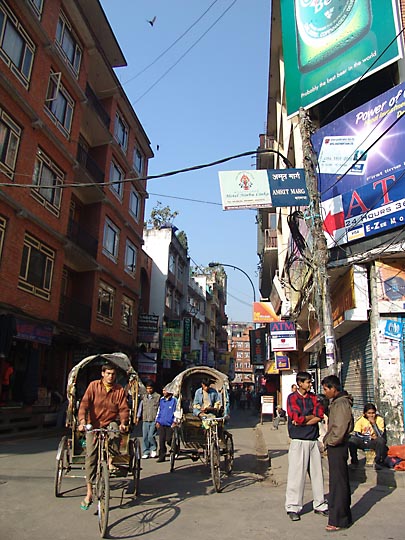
{"x":305,"y":412}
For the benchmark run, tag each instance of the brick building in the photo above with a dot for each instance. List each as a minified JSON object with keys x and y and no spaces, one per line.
{"x":70,"y":226}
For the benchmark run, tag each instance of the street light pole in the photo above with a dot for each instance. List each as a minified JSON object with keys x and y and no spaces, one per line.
{"x":214,"y":264}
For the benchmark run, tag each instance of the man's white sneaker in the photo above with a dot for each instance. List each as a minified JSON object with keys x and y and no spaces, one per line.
{"x":145,"y":456}
{"x":153,"y":453}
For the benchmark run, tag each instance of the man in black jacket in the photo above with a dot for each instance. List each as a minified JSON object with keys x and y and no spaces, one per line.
{"x":340,"y":425}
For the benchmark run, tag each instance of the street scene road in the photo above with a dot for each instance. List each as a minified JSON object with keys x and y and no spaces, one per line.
{"x":182,"y":504}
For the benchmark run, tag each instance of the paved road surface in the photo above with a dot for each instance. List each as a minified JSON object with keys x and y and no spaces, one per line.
{"x":181,"y":505}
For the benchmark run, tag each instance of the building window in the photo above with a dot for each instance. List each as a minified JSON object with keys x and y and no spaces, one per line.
{"x":16,"y":49}
{"x":169,"y":297}
{"x":111,"y":240}
{"x":172,"y":263}
{"x":68,"y":44}
{"x":58,"y":104}
{"x":10,"y":135}
{"x":2,"y":233}
{"x":127,"y":314}
{"x":138,"y":161}
{"x":48,"y":177}
{"x":180,"y":271}
{"x":177,"y":304}
{"x":121,"y":132}
{"x":105,"y":305}
{"x":134,"y":203}
{"x":116,"y":178}
{"x":37,"y":6}
{"x":130,"y":258}
{"x":36,"y":268}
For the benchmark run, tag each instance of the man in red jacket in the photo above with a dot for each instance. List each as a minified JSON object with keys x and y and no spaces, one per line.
{"x":103,"y":403}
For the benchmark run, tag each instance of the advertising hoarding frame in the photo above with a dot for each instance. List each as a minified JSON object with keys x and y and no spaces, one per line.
{"x":365,"y":53}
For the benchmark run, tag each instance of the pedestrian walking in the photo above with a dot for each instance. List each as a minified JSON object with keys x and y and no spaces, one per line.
{"x":304,"y":414}
{"x":340,"y":425}
{"x":147,"y":410}
{"x":165,"y":422}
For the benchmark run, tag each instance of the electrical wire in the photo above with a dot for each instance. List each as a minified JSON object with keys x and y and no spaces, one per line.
{"x":184,"y":54}
{"x":350,"y":90}
{"x":162,"y":54}
{"x":139,"y":178}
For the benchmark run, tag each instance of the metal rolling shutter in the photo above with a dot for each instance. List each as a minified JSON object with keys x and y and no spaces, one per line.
{"x":357,"y":367}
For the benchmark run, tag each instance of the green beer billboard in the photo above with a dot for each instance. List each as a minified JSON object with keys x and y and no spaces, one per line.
{"x":335,"y":43}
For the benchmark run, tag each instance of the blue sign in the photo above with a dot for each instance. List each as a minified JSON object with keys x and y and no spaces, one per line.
{"x":393,"y":330}
{"x":288,"y":187}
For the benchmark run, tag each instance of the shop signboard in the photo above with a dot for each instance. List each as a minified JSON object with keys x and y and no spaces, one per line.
{"x":258,"y":352}
{"x":263,"y":188}
{"x":148,"y":328}
{"x":263,"y":312}
{"x":283,"y":336}
{"x":328,"y":45}
{"x":172,"y":341}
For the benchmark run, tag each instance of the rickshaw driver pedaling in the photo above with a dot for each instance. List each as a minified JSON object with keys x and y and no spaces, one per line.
{"x":102,"y":403}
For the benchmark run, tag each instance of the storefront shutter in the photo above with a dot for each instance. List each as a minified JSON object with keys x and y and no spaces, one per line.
{"x":357,"y":367}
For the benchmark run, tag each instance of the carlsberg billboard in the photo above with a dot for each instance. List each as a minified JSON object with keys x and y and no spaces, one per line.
{"x":335,"y":43}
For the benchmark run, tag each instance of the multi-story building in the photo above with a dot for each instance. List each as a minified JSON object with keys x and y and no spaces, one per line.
{"x":168,"y":293}
{"x":73,"y":155}
{"x":214,"y":283}
{"x":239,"y":345}
{"x":195,"y":312}
{"x":351,"y":80}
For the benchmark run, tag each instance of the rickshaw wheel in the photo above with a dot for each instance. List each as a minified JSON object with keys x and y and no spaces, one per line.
{"x":103,"y":497}
{"x":62,"y":464}
{"x":215,"y":466}
{"x":229,"y":452}
{"x":135,"y":463}
{"x":174,"y":448}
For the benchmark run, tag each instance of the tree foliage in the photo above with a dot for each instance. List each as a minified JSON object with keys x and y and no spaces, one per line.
{"x":182,"y":238}
{"x":161,"y":215}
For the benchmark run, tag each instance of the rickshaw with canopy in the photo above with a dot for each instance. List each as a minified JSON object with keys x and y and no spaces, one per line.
{"x":205,"y":438}
{"x":126,"y":459}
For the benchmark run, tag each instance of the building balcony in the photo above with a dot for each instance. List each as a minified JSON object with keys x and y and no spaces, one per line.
{"x":95,"y":123}
{"x":270,"y":239}
{"x":97,"y":106}
{"x":88,"y":172}
{"x":80,"y":249}
{"x":74,"y":313}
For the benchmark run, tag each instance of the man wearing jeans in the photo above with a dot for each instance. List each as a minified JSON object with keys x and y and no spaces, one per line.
{"x":304,"y":413}
{"x":147,"y":410}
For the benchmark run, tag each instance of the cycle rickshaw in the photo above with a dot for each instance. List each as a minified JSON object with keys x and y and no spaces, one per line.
{"x":126,"y":459}
{"x":201,"y":439}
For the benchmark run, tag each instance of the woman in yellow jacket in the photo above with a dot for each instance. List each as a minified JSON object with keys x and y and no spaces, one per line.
{"x":369,"y":432}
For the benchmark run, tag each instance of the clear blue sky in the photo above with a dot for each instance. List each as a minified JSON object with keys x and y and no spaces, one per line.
{"x":211,"y":105}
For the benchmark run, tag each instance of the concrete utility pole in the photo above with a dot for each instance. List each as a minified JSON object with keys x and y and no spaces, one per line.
{"x":320,"y":249}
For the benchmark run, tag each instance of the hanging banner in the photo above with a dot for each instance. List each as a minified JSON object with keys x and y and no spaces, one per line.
{"x":244,"y":189}
{"x":263,"y":188}
{"x":288,"y":187}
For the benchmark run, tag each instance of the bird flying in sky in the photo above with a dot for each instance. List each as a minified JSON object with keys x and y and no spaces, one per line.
{"x":152,"y":21}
